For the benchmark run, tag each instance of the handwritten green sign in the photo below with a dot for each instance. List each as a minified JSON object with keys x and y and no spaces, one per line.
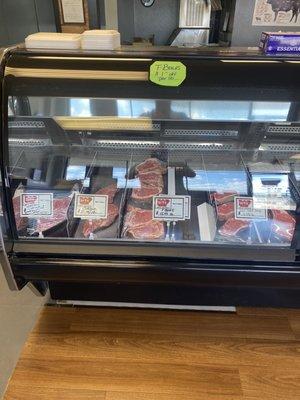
{"x":167,"y":73}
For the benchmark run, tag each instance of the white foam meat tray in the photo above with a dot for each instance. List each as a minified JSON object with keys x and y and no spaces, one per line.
{"x":53,"y":40}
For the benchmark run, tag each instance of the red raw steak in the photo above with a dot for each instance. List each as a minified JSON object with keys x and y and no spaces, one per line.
{"x":283,"y":224}
{"x":21,"y":222}
{"x":232,"y":227}
{"x":222,"y":198}
{"x":101,"y":223}
{"x":151,"y":164}
{"x":140,"y":225}
{"x":151,"y":179}
{"x":60,"y":209}
{"x":145,"y":193}
{"x":225,"y":211}
{"x":136,"y":217}
{"x":109,"y":191}
{"x":151,"y":231}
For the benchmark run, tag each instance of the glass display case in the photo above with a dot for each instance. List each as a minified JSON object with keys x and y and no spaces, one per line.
{"x":109,"y":177}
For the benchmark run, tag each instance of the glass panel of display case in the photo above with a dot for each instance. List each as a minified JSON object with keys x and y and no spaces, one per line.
{"x":191,"y":171}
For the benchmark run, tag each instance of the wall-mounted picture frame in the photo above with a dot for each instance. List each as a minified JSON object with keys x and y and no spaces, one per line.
{"x":72,"y":12}
{"x":71,"y":16}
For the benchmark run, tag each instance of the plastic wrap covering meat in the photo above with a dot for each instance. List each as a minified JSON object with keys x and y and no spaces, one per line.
{"x":150,"y":175}
{"x":21,"y":222}
{"x":225,"y":211}
{"x":92,"y":226}
{"x":139,"y":224}
{"x":233,"y":227}
{"x":145,"y":193}
{"x":222,"y":198}
{"x":151,"y":164}
{"x":60,"y":210}
{"x":109,"y":191}
{"x":151,"y":179}
{"x":283,"y":225}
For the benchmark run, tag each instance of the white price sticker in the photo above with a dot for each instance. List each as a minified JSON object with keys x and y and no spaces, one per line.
{"x":90,"y":206}
{"x":244,"y":209}
{"x":36,"y":205}
{"x":170,"y":208}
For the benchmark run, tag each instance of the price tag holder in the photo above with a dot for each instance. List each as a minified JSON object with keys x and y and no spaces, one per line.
{"x":187,"y":207}
{"x":244,"y":209}
{"x":91,"y":206}
{"x":170,"y":208}
{"x":167,"y":73}
{"x":36,"y":205}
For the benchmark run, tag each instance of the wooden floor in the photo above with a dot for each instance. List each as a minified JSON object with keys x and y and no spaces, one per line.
{"x":119,"y":354}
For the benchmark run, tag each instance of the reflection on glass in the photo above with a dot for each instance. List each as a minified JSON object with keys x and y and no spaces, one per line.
{"x":198,"y":110}
{"x":80,"y":108}
{"x":218,"y":181}
{"x":75,"y":172}
{"x":263,"y":110}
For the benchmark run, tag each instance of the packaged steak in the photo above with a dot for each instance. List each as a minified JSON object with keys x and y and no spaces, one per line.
{"x":21,"y":222}
{"x":233,"y":228}
{"x":110,"y":191}
{"x":138,"y":224}
{"x":104,"y":228}
{"x":94,"y":225}
{"x":283,"y":225}
{"x":222,"y":198}
{"x":150,"y":181}
{"x":225,"y":211}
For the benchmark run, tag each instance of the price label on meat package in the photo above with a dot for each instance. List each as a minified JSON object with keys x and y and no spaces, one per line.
{"x":244,"y":209}
{"x":36,"y":205}
{"x":171,"y":208}
{"x":90,"y":206}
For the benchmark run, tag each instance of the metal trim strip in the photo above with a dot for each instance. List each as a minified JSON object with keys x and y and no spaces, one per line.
{"x":76,"y":74}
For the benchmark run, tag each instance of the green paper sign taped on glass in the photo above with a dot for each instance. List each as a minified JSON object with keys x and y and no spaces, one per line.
{"x":167,"y":73}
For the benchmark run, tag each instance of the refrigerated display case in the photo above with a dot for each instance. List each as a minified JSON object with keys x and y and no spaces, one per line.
{"x":122,"y":190}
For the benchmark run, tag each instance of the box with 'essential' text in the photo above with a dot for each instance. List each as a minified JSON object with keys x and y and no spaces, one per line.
{"x":280,"y":42}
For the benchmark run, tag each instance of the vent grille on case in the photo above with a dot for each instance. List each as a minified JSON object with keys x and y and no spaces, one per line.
{"x":201,"y":132}
{"x":167,"y":146}
{"x":291,"y":130}
{"x":281,"y":147}
{"x":119,"y":145}
{"x":29,"y":142}
{"x":26,"y":124}
{"x":199,"y":146}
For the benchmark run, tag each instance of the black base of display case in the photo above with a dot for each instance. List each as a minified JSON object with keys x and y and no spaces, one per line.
{"x":175,"y":295}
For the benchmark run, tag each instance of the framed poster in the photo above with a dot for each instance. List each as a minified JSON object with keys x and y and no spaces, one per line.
{"x":276,"y":13}
{"x":72,"y":11}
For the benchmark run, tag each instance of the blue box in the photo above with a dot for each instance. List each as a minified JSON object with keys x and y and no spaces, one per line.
{"x":280,"y":42}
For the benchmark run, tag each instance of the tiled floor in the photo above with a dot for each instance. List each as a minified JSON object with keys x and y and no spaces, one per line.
{"x":18,"y":314}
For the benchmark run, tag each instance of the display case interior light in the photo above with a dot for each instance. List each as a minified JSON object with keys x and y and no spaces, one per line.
{"x":105,"y":123}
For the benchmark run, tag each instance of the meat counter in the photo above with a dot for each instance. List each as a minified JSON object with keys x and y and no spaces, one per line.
{"x":154,"y":177}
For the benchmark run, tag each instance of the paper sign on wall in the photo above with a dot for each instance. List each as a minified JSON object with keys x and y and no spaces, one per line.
{"x":90,"y":206}
{"x":167,"y":73}
{"x":36,"y":205}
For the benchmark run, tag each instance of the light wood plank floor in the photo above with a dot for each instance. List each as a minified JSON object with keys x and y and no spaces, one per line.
{"x":121,"y":354}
